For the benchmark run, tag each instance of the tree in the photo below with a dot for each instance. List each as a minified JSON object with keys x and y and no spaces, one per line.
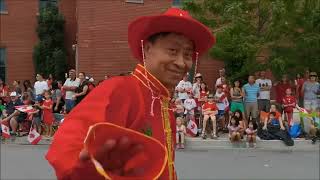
{"x":287,"y":29}
{"x":49,"y":54}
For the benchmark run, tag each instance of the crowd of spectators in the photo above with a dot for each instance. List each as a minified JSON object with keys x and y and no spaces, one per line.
{"x":48,"y":101}
{"x":249,"y":110}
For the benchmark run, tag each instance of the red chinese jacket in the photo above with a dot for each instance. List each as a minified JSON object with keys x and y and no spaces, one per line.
{"x":124,"y":101}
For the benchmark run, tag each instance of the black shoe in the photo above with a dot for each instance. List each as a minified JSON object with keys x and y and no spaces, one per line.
{"x":314,"y":140}
{"x":13,"y":134}
{"x":204,"y":136}
{"x":225,"y":130}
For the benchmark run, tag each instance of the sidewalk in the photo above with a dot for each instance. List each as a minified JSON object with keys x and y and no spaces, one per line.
{"x":196,"y":143}
{"x":23,"y":141}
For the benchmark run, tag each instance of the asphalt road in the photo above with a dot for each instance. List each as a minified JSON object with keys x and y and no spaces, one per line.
{"x":27,"y":162}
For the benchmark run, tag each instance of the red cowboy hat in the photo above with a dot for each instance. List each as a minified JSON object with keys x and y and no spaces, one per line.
{"x":173,"y":20}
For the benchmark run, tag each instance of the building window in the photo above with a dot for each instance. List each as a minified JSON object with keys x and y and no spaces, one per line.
{"x":135,"y":1}
{"x":177,"y":3}
{"x":44,"y":3}
{"x":3,"y":6}
{"x":3,"y":63}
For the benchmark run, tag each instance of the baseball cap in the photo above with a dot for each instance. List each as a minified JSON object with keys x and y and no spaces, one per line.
{"x":13,"y":94}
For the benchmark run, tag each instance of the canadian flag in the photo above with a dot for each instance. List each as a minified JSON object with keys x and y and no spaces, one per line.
{"x":34,"y":137}
{"x":302,"y":110}
{"x":5,"y":131}
{"x":192,"y":128}
{"x":25,"y":108}
{"x":225,"y":101}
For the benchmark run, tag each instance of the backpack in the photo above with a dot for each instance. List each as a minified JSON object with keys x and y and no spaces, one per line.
{"x":295,"y":130}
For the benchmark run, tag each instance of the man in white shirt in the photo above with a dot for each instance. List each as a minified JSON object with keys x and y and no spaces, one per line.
{"x":221,"y":74}
{"x":196,"y":86}
{"x":183,"y":87}
{"x":71,"y":84}
{"x":264,"y":95}
{"x":40,"y":86}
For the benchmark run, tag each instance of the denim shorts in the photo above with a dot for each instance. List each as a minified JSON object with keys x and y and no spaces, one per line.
{"x":220,"y":114}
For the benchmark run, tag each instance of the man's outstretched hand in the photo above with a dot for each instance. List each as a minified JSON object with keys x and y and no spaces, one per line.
{"x":121,"y":157}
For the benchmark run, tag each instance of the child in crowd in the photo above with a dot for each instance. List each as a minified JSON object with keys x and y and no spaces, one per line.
{"x":178,"y":108}
{"x":234,"y":133}
{"x":251,"y":135}
{"x":222,"y":104}
{"x":289,"y":103}
{"x":48,"y":117}
{"x":238,"y":115}
{"x":209,"y":110}
{"x":189,"y":105}
{"x":36,"y":117}
{"x":181,"y":132}
{"x":274,"y":118}
{"x":204,"y":92}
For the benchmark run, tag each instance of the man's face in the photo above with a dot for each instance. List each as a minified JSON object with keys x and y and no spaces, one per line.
{"x":169,"y":58}
{"x":38,"y":77}
{"x":221,"y":72}
{"x":13,"y":98}
{"x":71,"y":74}
{"x":284,"y":78}
{"x":251,"y":79}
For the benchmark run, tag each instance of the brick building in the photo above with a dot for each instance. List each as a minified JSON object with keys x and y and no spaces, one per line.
{"x":17,"y":38}
{"x":97,"y":27}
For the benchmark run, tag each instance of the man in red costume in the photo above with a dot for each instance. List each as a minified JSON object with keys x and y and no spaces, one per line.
{"x":166,"y":46}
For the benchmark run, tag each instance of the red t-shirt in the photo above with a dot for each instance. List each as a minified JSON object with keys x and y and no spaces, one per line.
{"x":281,"y":91}
{"x":4,"y":91}
{"x":226,"y":90}
{"x":278,"y":115}
{"x":48,"y":117}
{"x":211,"y":106}
{"x":289,"y":100}
{"x":203,"y":94}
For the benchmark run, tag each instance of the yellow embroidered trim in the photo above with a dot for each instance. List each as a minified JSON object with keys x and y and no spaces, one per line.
{"x":168,"y":136}
{"x":161,"y":96}
{"x":140,"y":80}
{"x":138,"y":71}
{"x":167,"y":91}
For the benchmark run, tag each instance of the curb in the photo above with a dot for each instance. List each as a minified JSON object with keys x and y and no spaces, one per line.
{"x":269,"y":145}
{"x":199,"y":144}
{"x":24,"y":141}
